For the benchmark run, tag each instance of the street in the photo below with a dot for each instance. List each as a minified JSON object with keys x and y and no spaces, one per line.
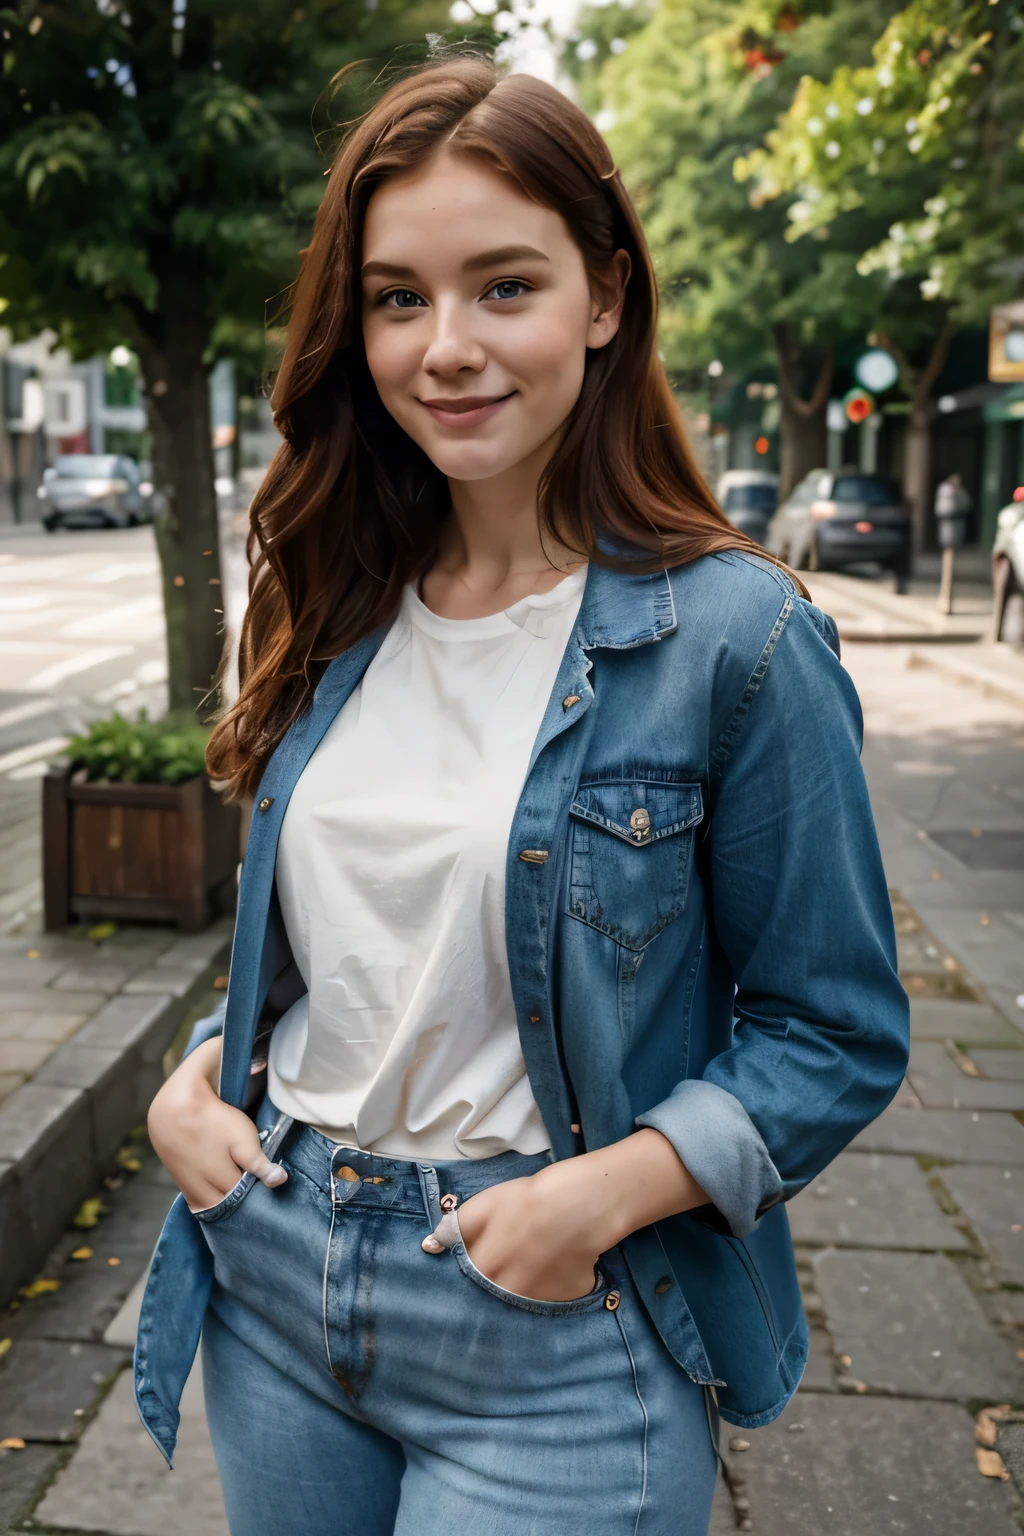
{"x":909,"y":1246}
{"x":81,"y":634}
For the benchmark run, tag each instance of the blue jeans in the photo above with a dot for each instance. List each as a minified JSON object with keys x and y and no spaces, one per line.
{"x":357,"y":1386}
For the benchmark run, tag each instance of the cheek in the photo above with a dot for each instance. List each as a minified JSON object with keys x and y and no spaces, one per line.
{"x":549,"y":355}
{"x":392,"y":354}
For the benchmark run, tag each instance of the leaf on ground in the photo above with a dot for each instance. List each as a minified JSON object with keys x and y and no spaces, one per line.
{"x":220,"y":983}
{"x":985,"y":1423}
{"x":12,"y":1443}
{"x":127,"y":1160}
{"x":39,"y":1288}
{"x":990,"y":1463}
{"x":82,"y":1253}
{"x":113,"y":1263}
{"x":100,"y":931}
{"x":89,"y":1212}
{"x":5,"y":1345}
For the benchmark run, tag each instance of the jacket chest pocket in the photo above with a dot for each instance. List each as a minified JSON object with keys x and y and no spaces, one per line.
{"x":631,"y":847}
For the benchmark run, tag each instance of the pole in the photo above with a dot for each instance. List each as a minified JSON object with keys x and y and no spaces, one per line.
{"x":946,"y":582}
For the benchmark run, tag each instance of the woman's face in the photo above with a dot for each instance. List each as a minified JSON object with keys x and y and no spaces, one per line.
{"x":477,"y":315}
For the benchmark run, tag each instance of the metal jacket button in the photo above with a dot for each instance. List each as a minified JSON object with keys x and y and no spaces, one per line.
{"x":572,"y":699}
{"x":612,"y":1300}
{"x":534,"y":855}
{"x":265,"y":803}
{"x":640,"y":822}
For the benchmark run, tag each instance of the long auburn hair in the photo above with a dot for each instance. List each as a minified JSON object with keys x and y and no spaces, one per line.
{"x":351,"y":509}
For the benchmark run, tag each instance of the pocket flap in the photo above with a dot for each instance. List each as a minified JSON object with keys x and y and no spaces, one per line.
{"x":640,"y":811}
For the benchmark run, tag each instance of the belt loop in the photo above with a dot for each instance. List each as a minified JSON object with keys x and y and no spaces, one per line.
{"x":430,"y":1191}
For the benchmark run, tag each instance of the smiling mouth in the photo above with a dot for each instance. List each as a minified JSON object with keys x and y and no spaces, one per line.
{"x":465,"y":410}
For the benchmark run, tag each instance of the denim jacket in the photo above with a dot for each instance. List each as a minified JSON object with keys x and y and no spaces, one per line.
{"x":699,"y":939}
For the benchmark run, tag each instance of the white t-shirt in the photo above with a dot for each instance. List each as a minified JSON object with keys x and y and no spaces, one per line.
{"x":391,"y":877}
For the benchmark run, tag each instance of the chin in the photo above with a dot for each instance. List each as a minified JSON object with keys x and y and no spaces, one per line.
{"x":473,"y":461}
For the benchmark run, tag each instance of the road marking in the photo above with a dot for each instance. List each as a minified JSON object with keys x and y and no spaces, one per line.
{"x":50,"y":676}
{"x":26,"y":711}
{"x":32,"y":751}
{"x":98,"y":623}
{"x":119,"y":568}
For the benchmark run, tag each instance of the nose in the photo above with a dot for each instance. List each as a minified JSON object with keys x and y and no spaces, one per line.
{"x":453,"y":345}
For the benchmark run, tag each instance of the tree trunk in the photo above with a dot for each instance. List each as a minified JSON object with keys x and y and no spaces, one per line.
{"x":917,"y":471}
{"x":803,"y":445}
{"x":803,"y":424}
{"x":171,"y":346}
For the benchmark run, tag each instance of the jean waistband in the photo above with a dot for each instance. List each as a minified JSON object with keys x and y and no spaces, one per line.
{"x":395,"y":1181}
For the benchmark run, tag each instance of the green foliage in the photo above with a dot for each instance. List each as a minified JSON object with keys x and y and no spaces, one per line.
{"x":699,"y":88}
{"x":140,"y":751}
{"x":133,"y":149}
{"x":928,"y":141}
{"x":601,"y":32}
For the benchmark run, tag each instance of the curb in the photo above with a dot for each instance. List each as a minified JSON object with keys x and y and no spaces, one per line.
{"x":995,"y":684}
{"x":60,"y":1132}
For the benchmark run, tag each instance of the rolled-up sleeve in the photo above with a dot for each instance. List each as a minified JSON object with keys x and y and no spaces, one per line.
{"x":800,"y":909}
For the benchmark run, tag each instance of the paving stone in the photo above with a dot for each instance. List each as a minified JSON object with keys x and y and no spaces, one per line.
{"x":865,"y":1466}
{"x":49,"y":1000}
{"x":819,"y":1372}
{"x":174,"y":979}
{"x":992,"y":952}
{"x":44,"y":1381}
{"x":723,"y":1519}
{"x":46,"y":1137}
{"x":911,"y":1326}
{"x":106,"y":976}
{"x":30,"y":973}
{"x":1010,"y":1445}
{"x":941,"y":1018}
{"x":8,"y":1082}
{"x":992,"y":1199}
{"x":132,"y":1023}
{"x":119,"y":1084}
{"x":23,"y":1056}
{"x":51,"y":1028}
{"x":1000,"y":1065}
{"x":872,"y":1199}
{"x":974,"y":1136}
{"x":117,"y":1481}
{"x":940,"y":1084}
{"x":22,"y":1474}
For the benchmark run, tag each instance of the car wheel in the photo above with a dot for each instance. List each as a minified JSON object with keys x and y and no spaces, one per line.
{"x":50,"y":524}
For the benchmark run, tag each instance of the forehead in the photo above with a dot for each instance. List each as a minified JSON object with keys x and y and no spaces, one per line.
{"x":453,"y":206}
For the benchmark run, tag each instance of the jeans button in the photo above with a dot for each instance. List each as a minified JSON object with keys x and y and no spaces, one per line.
{"x":612,"y":1300}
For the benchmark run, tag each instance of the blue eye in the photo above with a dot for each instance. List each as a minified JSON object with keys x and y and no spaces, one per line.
{"x":508,"y":288}
{"x":403,"y":298}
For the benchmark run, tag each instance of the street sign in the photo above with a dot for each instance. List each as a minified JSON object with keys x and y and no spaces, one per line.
{"x":1006,"y":343}
{"x":876,"y":370}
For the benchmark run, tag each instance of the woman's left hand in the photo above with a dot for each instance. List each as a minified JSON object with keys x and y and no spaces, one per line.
{"x":533,"y":1236}
{"x":541,"y":1236}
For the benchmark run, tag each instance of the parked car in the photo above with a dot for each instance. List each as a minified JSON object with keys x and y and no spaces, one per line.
{"x":1008,"y":572}
{"x":90,"y":490}
{"x":836,"y":518}
{"x":748,"y":498}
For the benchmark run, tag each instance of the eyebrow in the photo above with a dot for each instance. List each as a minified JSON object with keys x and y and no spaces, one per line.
{"x":496,"y":258}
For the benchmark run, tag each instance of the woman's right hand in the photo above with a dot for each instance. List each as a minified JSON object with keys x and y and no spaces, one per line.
{"x":205,"y":1144}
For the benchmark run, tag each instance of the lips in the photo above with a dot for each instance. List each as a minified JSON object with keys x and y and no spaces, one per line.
{"x":465,"y":410}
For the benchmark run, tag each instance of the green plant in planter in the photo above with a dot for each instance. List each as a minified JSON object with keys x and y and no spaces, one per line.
{"x":140,"y":751}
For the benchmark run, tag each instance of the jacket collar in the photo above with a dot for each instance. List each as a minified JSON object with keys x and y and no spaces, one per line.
{"x":620,"y":610}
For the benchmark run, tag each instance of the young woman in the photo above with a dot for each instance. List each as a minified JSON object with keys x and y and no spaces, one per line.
{"x":564,"y":953}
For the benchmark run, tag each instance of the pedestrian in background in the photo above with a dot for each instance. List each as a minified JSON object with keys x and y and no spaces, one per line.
{"x":564,"y":954}
{"x":952,"y":509}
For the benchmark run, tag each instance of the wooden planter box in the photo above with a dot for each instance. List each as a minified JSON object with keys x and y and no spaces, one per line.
{"x":134,"y":851}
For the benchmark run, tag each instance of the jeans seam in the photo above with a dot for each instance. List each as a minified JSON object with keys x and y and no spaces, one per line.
{"x":643,"y":1410}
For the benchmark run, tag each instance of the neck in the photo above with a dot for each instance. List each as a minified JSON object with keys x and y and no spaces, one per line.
{"x":494,"y":538}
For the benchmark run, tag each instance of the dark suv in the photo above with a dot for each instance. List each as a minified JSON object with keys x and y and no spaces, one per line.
{"x":836,"y":518}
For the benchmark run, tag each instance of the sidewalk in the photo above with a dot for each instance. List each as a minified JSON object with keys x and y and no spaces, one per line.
{"x":910,"y":1247}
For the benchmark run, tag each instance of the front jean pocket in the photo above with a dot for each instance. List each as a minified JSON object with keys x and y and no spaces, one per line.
{"x":630,"y":851}
{"x":592,"y":1301}
{"x":232,"y":1200}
